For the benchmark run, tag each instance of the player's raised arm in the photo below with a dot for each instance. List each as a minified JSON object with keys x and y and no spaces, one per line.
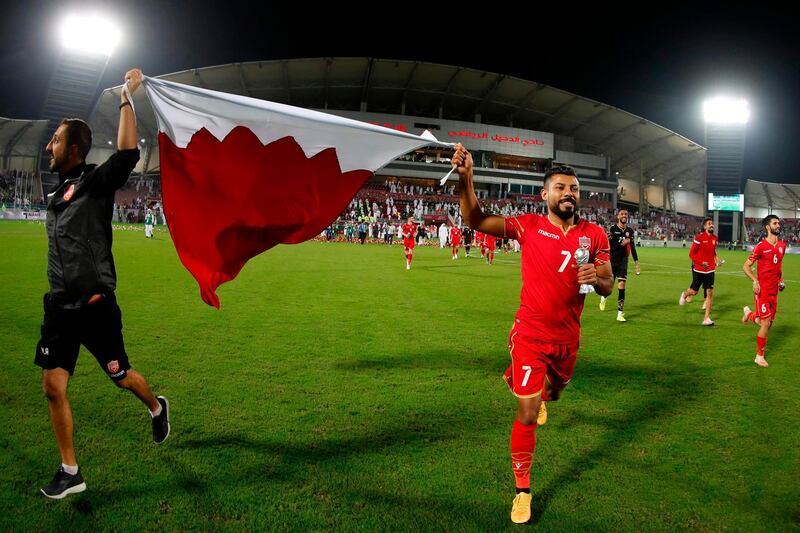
{"x":126,"y":135}
{"x":471,"y":211}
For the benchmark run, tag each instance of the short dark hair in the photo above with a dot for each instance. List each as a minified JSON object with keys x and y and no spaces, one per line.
{"x":707,"y":219}
{"x":558,"y":169}
{"x":768,"y":219}
{"x":78,"y":133}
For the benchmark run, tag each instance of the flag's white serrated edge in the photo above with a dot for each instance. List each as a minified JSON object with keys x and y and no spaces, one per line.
{"x":182,"y":110}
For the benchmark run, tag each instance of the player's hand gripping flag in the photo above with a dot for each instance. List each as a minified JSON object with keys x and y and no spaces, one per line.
{"x":240,"y":175}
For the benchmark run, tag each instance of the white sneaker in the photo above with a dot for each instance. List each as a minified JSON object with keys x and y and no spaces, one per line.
{"x":682,"y":299}
{"x":746,"y":311}
{"x":408,"y":267}
{"x":760,"y":361}
{"x":708,"y":322}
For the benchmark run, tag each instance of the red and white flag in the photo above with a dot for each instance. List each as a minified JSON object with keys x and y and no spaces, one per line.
{"x":240,"y":175}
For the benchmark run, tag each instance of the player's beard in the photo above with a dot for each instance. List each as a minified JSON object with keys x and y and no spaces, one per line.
{"x":775,"y":232}
{"x":565,"y":213}
{"x":55,"y":163}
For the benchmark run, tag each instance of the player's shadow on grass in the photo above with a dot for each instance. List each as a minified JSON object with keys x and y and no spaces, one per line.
{"x":274,"y":461}
{"x":665,"y":393}
{"x":277,"y":461}
{"x":430,"y":360}
{"x":408,"y":430}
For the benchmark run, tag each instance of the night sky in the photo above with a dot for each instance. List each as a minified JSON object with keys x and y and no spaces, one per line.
{"x":657,"y":62}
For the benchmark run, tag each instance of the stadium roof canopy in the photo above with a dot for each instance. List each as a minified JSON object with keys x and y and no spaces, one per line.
{"x":21,"y":142}
{"x":635,"y":145}
{"x":774,"y":195}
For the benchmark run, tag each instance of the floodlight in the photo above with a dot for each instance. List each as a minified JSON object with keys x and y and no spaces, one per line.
{"x":726,"y":111}
{"x":90,"y":33}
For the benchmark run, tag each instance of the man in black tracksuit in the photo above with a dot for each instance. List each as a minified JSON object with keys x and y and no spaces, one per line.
{"x":80,"y":307}
{"x":620,"y":237}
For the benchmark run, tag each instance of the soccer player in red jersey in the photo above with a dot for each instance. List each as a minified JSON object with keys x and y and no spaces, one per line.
{"x":480,"y":242}
{"x":455,"y":241}
{"x":768,"y":254}
{"x":491,"y":246}
{"x":704,"y":262}
{"x":543,"y":342}
{"x":409,"y":230}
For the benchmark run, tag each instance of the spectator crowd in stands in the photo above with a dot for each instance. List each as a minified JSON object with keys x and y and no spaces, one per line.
{"x":20,"y":188}
{"x":381,"y":206}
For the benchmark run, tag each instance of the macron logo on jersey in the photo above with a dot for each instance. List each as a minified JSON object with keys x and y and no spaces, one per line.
{"x":547,"y":234}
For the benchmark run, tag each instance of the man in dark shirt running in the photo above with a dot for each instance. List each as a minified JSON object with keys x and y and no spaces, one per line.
{"x":620,"y":236}
{"x":80,"y":307}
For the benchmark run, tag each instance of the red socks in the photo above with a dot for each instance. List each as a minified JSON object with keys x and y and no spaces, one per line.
{"x":761,"y":343}
{"x":523,"y":443}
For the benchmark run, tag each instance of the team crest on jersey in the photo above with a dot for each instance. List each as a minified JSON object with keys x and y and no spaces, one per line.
{"x":113,"y":366}
{"x":69,"y":192}
{"x":584,"y":242}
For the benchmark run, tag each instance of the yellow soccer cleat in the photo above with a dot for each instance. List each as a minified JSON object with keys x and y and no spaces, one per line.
{"x":521,"y":508}
{"x":602,"y":303}
{"x":541,"y":418}
{"x":621,"y":317}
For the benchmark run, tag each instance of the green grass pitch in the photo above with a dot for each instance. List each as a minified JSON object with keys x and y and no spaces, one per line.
{"x":335,"y":390}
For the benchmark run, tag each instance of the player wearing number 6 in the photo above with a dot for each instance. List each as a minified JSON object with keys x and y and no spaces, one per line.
{"x":544,"y":339}
{"x":769,"y":256}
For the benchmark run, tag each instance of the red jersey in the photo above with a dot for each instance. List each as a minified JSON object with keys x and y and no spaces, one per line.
{"x":409,"y":231}
{"x":550,"y":305}
{"x":769,"y":259}
{"x":455,"y":236}
{"x":704,"y":249}
{"x":479,"y":238}
{"x":490,"y":241}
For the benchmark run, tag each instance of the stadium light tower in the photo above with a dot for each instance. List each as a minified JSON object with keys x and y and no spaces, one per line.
{"x":87,"y":42}
{"x":726,"y":126}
